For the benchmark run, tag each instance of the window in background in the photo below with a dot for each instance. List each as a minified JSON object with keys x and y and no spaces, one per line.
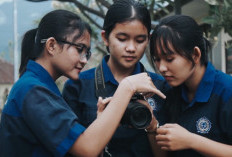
{"x":228,"y":46}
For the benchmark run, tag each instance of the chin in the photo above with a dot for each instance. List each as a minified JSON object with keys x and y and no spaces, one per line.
{"x":173,"y":84}
{"x":73,"y":77}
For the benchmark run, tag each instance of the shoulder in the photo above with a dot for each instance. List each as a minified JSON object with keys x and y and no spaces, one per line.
{"x":155,"y":76}
{"x":223,"y":78}
{"x":223,"y":85}
{"x":88,"y":74}
{"x":24,"y":84}
{"x":20,"y":90}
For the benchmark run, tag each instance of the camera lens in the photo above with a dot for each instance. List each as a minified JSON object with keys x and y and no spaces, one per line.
{"x":140,"y":116}
{"x":137,"y":115}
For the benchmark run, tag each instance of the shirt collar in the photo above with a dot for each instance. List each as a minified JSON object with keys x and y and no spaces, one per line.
{"x":42,"y":75}
{"x":205,"y":87}
{"x":108,"y":76}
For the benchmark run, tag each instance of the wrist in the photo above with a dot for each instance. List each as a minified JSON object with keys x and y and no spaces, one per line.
{"x":129,"y":84}
{"x":152,"y":130}
{"x":193,"y":145}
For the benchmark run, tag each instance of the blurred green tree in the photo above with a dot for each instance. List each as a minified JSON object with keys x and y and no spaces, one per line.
{"x":93,"y":11}
{"x":220,"y":16}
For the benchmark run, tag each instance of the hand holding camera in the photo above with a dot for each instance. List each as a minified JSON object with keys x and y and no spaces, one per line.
{"x":139,"y":113}
{"x":145,"y":85}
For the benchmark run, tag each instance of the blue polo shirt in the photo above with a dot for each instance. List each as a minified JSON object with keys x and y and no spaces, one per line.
{"x":36,"y":121}
{"x":80,"y":95}
{"x":209,"y":114}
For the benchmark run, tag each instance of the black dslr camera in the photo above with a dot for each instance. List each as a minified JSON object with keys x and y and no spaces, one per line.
{"x":137,"y":115}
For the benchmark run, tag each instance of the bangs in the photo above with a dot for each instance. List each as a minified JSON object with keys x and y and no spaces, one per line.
{"x":167,"y":42}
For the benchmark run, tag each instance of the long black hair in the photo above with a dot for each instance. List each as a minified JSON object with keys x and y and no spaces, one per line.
{"x":58,"y":24}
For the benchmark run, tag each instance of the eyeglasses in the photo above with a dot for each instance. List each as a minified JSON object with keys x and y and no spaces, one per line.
{"x":82,"y":49}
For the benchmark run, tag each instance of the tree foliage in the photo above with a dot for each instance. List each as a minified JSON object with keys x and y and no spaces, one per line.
{"x":220,"y":16}
{"x":93,"y":11}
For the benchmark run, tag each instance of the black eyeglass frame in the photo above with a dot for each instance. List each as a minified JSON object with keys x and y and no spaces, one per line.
{"x":80,"y":47}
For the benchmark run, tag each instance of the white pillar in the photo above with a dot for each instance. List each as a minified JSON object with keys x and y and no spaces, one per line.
{"x":16,"y":64}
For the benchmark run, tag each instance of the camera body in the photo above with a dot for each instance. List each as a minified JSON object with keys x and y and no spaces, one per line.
{"x":137,"y":114}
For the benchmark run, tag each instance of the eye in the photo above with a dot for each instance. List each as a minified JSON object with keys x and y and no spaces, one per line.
{"x":80,"y":48}
{"x":141,"y":39}
{"x":122,"y":39}
{"x":169,"y":59}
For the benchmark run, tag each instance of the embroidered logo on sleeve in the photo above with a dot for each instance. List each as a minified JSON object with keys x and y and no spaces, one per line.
{"x":203,"y":125}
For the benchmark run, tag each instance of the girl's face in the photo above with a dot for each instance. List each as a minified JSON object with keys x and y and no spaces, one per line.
{"x":70,"y":61}
{"x":127,"y":43}
{"x":175,"y":68}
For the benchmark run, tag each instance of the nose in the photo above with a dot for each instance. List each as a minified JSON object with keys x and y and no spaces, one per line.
{"x":162,"y":66}
{"x":131,"y":46}
{"x":83,"y":59}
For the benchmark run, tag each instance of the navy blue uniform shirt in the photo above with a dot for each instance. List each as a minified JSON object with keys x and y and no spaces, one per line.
{"x":36,"y":121}
{"x":80,"y":95}
{"x":209,"y":114}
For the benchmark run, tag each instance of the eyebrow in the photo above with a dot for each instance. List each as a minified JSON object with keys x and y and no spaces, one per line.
{"x":124,"y":34}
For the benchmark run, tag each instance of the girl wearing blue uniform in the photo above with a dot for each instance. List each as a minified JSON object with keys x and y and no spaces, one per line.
{"x":198,"y":109}
{"x":36,"y":121}
{"x":126,"y":33}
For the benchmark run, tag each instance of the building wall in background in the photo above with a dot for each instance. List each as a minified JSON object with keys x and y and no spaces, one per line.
{"x":4,"y":91}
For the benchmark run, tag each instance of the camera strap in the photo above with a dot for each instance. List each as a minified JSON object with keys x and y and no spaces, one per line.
{"x":100,"y":82}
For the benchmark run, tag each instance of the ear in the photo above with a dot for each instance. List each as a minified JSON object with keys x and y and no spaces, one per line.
{"x":105,"y":40}
{"x":196,"y":55}
{"x":51,"y":45}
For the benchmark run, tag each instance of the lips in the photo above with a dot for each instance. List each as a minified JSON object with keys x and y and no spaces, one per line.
{"x":129,"y":58}
{"x":168,"y":78}
{"x":79,"y":69}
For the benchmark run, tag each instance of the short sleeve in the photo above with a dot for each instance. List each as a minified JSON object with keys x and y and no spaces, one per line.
{"x":51,"y":120}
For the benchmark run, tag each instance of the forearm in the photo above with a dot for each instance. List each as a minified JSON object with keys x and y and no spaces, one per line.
{"x":156,"y":150}
{"x":209,"y":147}
{"x":151,"y":133}
{"x":102,"y":129}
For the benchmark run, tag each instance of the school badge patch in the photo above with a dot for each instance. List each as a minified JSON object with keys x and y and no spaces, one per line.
{"x":152,"y":103}
{"x":203,"y":125}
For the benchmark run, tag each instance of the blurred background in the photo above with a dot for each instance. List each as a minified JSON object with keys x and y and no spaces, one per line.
{"x":18,"y":16}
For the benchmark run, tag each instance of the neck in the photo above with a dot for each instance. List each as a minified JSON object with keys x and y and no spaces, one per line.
{"x":47,"y":66}
{"x":118,"y":71}
{"x":193,"y":82}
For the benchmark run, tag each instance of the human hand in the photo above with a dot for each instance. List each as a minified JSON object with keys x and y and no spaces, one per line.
{"x":173,"y":137}
{"x":142,"y":83}
{"x":101,"y":105}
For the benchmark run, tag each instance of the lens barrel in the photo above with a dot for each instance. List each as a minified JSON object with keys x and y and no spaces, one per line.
{"x":137,"y":115}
